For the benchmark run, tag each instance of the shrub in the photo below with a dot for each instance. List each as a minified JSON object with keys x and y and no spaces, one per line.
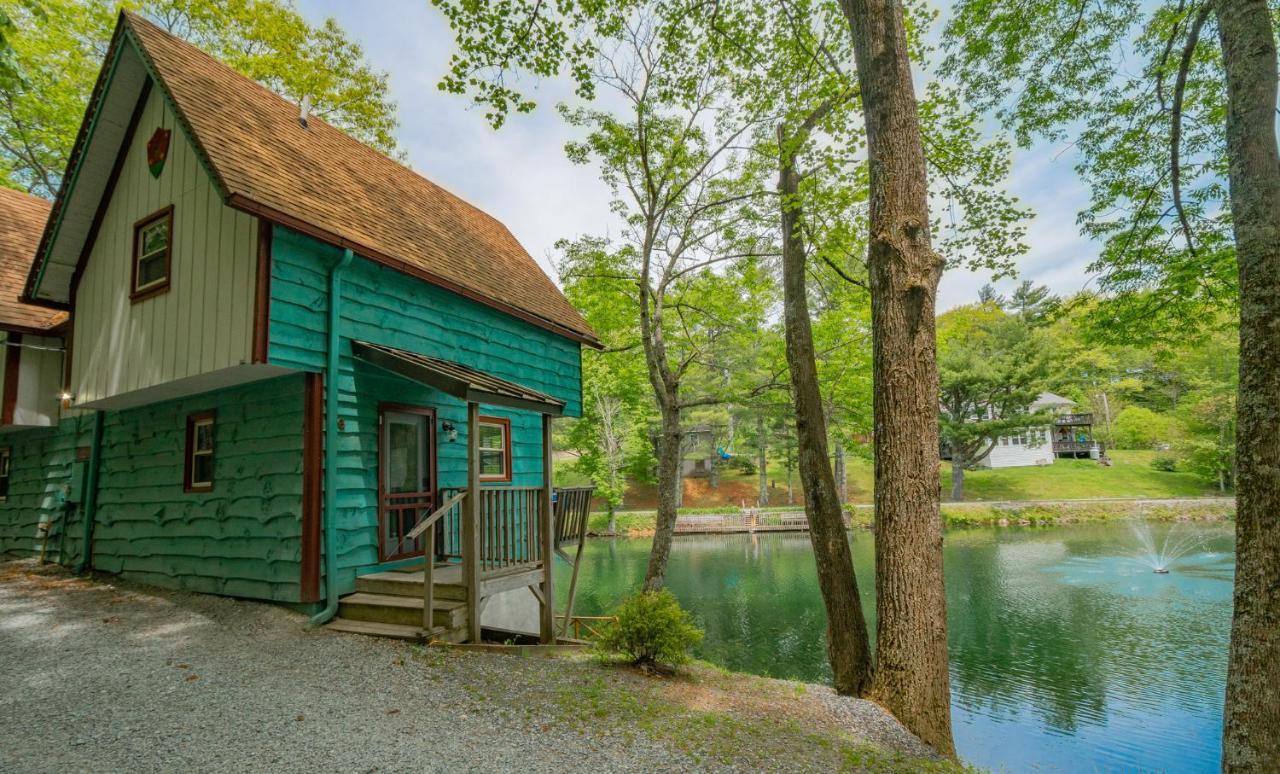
{"x":651,"y":628}
{"x":1141,"y":428}
{"x":1165,"y":463}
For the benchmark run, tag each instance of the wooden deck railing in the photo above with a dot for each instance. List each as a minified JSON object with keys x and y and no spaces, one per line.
{"x":573,"y":506}
{"x":508,"y":533}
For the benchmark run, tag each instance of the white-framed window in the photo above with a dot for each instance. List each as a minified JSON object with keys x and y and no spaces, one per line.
{"x":198,"y":471}
{"x":152,"y":250}
{"x":495,"y":449}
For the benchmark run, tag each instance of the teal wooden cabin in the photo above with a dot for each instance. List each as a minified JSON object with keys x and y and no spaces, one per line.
{"x":257,"y":358}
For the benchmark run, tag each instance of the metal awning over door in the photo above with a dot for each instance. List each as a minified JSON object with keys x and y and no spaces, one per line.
{"x":462,"y":382}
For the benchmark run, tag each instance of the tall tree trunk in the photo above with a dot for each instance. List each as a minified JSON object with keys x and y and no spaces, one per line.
{"x":669,"y":445}
{"x":762,"y":459}
{"x":1251,"y":723}
{"x":847,"y":647}
{"x":910,"y":677}
{"x":957,"y":476}
{"x":613,"y":520}
{"x":842,"y":475}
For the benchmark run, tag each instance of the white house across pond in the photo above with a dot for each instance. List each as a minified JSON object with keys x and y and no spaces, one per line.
{"x":1069,"y":435}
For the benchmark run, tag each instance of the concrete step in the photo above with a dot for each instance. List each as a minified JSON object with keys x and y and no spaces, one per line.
{"x":396,"y":631}
{"x":400,"y":610}
{"x":372,"y":628}
{"x":407,"y":584}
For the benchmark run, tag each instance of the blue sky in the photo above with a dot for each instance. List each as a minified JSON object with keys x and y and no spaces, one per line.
{"x":521,"y":176}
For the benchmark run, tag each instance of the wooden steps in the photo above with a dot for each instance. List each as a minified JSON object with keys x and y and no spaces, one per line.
{"x":403,"y":610}
{"x":389,"y":604}
{"x":409,"y":584}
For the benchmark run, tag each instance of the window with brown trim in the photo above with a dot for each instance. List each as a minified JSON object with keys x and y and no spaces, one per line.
{"x":495,"y":449}
{"x":4,"y":475}
{"x":197,"y":473}
{"x":152,"y":254}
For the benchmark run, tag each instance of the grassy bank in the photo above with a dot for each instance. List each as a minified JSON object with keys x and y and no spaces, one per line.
{"x":1130,"y":475}
{"x":639,"y":523}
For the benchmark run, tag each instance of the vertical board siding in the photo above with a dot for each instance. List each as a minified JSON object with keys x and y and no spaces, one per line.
{"x":39,"y":468}
{"x":389,"y":308}
{"x":203,"y":323}
{"x":240,"y":539}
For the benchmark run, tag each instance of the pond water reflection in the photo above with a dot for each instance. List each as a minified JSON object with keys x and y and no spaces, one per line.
{"x":1067,"y":652}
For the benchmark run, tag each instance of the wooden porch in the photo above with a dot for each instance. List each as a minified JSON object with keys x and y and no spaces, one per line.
{"x":446,"y":599}
{"x":478,"y":541}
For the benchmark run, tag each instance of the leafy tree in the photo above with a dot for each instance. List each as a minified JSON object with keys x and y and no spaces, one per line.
{"x":1031,"y":302}
{"x":1137,"y":427}
{"x":58,"y":47}
{"x":988,"y":294}
{"x":496,"y":40}
{"x":989,"y":377}
{"x":1161,"y":138}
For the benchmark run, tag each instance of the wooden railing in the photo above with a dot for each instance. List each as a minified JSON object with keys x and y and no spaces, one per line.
{"x":509,"y":528}
{"x":573,"y":506}
{"x":427,"y":529}
{"x":1073,"y":446}
{"x":1073,"y":419}
{"x":592,"y":625}
{"x":508,"y":534}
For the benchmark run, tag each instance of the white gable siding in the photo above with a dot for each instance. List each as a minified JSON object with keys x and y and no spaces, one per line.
{"x":204,"y":322}
{"x":1038,"y":451}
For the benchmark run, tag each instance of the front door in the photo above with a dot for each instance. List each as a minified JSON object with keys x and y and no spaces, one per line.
{"x":407,"y":478}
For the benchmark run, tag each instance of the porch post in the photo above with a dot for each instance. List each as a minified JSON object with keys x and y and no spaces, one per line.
{"x":471,"y":524}
{"x":548,"y":633}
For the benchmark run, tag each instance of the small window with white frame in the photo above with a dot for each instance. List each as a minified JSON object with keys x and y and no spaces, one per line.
{"x":4,"y":475}
{"x":152,"y":253}
{"x":198,"y":470}
{"x":495,"y":449}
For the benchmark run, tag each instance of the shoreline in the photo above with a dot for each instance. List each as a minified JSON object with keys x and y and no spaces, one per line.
{"x":220,"y":684}
{"x":969,"y":514}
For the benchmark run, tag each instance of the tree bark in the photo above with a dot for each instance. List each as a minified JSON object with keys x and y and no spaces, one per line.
{"x":762,"y":459}
{"x":847,"y":647}
{"x":669,"y":444}
{"x":842,"y":475}
{"x":1251,"y":722}
{"x":910,"y":677}
{"x":957,"y":476}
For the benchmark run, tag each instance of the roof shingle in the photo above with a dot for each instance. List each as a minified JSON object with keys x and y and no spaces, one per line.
{"x":263,"y":160}
{"x":22,"y":219}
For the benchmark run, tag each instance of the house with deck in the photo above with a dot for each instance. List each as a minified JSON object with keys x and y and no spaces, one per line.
{"x":1069,"y":435}
{"x":260,"y":359}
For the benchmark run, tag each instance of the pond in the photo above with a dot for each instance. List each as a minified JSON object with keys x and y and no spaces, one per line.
{"x":1067,"y":652}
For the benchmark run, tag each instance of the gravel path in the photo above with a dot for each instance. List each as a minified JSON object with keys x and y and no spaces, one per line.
{"x":102,"y":675}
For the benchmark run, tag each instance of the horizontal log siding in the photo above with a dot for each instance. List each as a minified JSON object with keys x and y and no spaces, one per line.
{"x":39,"y":468}
{"x":241,"y":539}
{"x":389,"y":308}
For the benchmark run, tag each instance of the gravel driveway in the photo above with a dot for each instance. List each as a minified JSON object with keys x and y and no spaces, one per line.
{"x":102,"y":675}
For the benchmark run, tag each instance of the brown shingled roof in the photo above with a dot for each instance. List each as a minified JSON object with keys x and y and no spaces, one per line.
{"x":22,"y":218}
{"x":321,"y":181}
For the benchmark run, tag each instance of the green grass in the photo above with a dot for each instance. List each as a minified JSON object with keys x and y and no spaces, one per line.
{"x":1130,"y":475}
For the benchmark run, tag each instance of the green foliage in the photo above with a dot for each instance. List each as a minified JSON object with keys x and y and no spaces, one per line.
{"x":1137,"y":427}
{"x":1102,"y":77}
{"x":651,"y":628}
{"x":58,"y":47}
{"x":990,"y":369}
{"x":1165,"y":463}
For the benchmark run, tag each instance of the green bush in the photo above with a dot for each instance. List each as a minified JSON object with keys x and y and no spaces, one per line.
{"x":1165,"y":463}
{"x":1141,"y":428}
{"x":651,"y":628}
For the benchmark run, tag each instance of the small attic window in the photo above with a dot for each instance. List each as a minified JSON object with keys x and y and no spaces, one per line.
{"x":152,"y":251}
